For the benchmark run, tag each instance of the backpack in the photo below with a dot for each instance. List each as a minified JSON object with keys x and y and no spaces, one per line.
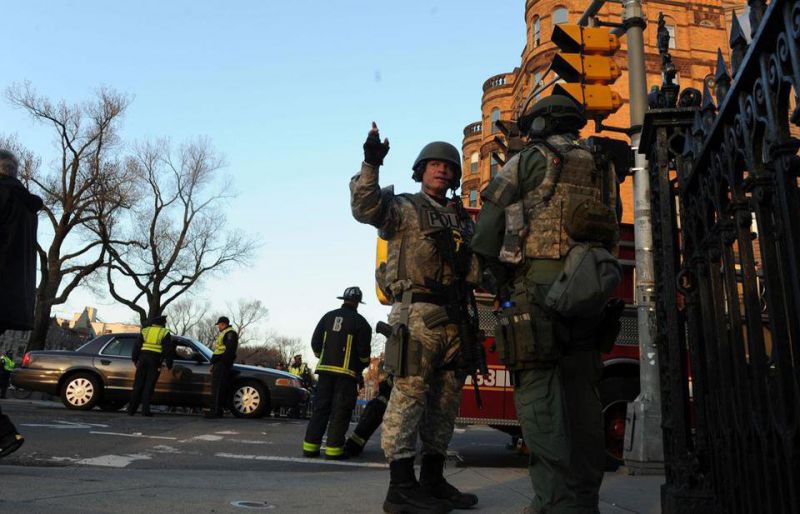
{"x":582,"y":289}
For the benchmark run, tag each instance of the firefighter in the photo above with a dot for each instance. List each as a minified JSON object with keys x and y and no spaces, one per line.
{"x":222,"y":361}
{"x":153,"y":348}
{"x":370,"y":419}
{"x":546,"y":201}
{"x":428,"y":255}
{"x":6,"y":366}
{"x":341,"y":342}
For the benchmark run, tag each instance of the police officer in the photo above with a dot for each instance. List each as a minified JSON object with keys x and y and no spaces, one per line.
{"x":222,"y":361}
{"x":341,"y":341}
{"x":370,"y":419}
{"x":153,"y":347}
{"x":417,"y":278}
{"x":300,"y":368}
{"x":527,"y":225}
{"x":6,"y":367}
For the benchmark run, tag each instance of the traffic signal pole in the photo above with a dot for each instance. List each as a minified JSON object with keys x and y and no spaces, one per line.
{"x":644,"y":450}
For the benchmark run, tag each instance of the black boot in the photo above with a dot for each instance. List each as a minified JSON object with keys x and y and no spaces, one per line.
{"x":432,"y":481}
{"x":352,"y":448}
{"x":406,"y":496}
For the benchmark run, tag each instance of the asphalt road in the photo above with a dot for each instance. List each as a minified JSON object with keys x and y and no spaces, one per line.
{"x":109,"y":462}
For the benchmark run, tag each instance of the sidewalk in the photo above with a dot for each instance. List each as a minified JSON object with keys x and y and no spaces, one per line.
{"x":306,"y":489}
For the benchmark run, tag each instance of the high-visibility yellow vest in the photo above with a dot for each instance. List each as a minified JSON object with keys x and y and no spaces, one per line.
{"x":8,"y":364}
{"x":219,"y":349}
{"x":153,"y":335}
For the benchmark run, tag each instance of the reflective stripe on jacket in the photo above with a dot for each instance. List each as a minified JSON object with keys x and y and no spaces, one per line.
{"x":152,"y":337}
{"x":342,"y":341}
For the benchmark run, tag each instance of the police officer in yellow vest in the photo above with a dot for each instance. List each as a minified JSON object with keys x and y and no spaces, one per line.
{"x":341,"y":341}
{"x":221,"y":365}
{"x":153,"y":347}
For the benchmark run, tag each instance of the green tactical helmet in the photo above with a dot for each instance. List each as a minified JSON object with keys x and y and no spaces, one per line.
{"x":440,"y":151}
{"x":555,"y":114}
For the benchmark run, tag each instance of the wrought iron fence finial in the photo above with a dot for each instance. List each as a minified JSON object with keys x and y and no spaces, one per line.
{"x":722,"y":79}
{"x":738,"y":43}
{"x":757,"y":10}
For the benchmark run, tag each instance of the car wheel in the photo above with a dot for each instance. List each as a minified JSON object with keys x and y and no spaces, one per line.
{"x":111,"y":405}
{"x":81,"y":391}
{"x":615,"y":393}
{"x":249,"y":400}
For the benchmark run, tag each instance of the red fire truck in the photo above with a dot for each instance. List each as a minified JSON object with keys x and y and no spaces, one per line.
{"x":619,"y":385}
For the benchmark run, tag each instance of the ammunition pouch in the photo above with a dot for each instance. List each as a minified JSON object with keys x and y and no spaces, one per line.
{"x":525,"y":334}
{"x":512,"y":251}
{"x":436,"y":318}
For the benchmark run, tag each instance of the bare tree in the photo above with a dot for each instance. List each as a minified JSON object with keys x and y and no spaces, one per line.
{"x":179,"y":228}
{"x":85,"y":184}
{"x":244,"y":316}
{"x":260,"y":354}
{"x":286,"y":347}
{"x":206,"y":331}
{"x":185,"y":315}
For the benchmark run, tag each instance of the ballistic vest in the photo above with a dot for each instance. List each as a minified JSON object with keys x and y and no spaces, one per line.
{"x":414,"y":257}
{"x":219,"y":347}
{"x":570,"y":179}
{"x":152,"y":336}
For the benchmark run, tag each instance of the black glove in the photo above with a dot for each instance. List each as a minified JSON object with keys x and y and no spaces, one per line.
{"x":374,"y":150}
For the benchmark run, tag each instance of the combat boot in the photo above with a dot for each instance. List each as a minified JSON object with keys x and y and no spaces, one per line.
{"x":352,"y":448}
{"x":406,"y":496}
{"x":432,"y":481}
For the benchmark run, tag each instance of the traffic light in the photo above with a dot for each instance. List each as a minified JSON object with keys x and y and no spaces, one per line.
{"x":586,"y":66}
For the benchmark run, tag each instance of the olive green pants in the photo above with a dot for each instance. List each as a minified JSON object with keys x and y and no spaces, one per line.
{"x":561,"y":417}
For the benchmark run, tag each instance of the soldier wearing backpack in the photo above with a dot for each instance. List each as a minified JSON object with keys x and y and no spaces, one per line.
{"x":545,"y":233}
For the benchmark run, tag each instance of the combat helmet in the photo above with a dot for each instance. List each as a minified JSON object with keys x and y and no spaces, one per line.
{"x":440,"y":151}
{"x":551,"y":115}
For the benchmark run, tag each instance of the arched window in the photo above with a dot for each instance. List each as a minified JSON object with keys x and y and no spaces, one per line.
{"x":473,"y":198}
{"x":537,"y":79}
{"x":537,"y":32}
{"x":495,"y":117}
{"x":473,"y":162}
{"x":560,"y":15}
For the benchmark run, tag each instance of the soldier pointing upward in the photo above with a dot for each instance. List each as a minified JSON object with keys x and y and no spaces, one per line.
{"x":426,"y":233}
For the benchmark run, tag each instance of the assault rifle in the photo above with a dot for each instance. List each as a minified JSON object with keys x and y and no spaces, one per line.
{"x":462,"y":308}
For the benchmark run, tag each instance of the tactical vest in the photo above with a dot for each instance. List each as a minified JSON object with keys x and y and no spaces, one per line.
{"x":414,"y":257}
{"x":219,"y":347}
{"x":568,"y":182}
{"x":152,"y":336}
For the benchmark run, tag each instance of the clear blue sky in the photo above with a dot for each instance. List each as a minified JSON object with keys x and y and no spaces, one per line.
{"x":286,"y":91}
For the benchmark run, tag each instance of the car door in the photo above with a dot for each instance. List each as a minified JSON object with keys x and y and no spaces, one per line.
{"x":186,"y":382}
{"x":115,"y":365}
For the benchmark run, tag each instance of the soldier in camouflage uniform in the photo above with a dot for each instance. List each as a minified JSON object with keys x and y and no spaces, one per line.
{"x":416,"y":276}
{"x":523,"y":235}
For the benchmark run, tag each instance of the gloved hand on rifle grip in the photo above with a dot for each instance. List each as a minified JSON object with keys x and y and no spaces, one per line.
{"x":374,"y":150}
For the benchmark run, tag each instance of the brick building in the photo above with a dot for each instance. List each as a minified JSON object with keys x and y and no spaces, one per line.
{"x":698,"y":29}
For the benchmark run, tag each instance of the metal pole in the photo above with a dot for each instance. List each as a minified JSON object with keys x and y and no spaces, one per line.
{"x":644,"y":450}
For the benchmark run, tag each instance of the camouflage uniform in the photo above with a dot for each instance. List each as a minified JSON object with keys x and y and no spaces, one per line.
{"x":428,"y":401}
{"x":557,"y":372}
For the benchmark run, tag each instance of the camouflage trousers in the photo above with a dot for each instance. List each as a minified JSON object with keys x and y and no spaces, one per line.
{"x":426,"y":403}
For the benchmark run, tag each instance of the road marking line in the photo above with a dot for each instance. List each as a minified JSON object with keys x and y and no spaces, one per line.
{"x":303,"y":460}
{"x":248,"y":441}
{"x":206,"y":437}
{"x":100,"y":425}
{"x":113,"y":461}
{"x":227,"y":432}
{"x":45,"y":425}
{"x":133,"y":435}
